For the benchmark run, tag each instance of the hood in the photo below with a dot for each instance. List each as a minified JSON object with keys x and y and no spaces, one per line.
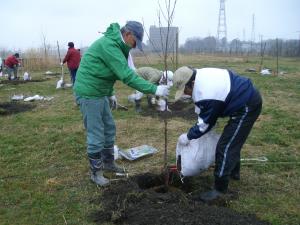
{"x":113,"y":32}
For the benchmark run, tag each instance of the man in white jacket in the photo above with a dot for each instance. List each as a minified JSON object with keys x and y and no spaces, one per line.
{"x":220,"y":93}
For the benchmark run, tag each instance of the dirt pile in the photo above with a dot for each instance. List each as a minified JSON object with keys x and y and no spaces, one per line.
{"x":16,"y":82}
{"x":138,"y":201}
{"x":8,"y":108}
{"x":185,"y":110}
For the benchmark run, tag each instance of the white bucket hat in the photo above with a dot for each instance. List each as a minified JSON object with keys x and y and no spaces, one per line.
{"x":181,"y":77}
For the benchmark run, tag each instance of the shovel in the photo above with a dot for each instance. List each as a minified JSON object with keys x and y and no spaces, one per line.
{"x":122,"y":107}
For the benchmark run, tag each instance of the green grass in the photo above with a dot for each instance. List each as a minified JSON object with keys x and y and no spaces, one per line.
{"x":44,"y":171}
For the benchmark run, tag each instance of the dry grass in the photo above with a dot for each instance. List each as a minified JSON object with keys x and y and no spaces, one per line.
{"x":44,"y":170}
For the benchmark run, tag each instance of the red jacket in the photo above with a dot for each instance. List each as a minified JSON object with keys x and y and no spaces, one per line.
{"x":11,"y":61}
{"x":72,"y":58}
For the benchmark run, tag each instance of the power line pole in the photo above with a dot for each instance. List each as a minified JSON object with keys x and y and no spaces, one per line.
{"x":253,"y":32}
{"x":277,"y":53}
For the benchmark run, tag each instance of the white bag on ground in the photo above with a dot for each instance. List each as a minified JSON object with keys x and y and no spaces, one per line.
{"x":198,"y":155}
{"x":60,"y":84}
{"x":26,"y":76}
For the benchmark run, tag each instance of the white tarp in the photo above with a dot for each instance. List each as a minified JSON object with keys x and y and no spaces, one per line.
{"x":198,"y":155}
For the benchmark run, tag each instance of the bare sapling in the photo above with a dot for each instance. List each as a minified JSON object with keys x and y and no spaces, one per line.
{"x":168,"y":16}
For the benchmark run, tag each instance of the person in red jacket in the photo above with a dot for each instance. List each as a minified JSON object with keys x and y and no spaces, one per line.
{"x":12,"y":64}
{"x":73,"y":59}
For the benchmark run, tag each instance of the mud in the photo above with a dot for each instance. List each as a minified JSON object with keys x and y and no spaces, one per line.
{"x":16,"y":82}
{"x":9,"y":108}
{"x":144,"y":200}
{"x":185,"y":110}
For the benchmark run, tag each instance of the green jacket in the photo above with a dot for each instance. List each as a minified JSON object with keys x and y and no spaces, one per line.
{"x":105,"y":62}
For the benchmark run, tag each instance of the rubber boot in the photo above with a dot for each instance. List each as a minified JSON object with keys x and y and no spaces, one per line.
{"x":96,"y":166}
{"x":150,"y":101}
{"x":109,"y":165}
{"x":235,"y":173}
{"x":138,"y":108}
{"x":221,"y":186}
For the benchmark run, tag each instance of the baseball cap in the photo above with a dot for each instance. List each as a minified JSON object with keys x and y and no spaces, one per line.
{"x":138,"y":32}
{"x":181,"y":77}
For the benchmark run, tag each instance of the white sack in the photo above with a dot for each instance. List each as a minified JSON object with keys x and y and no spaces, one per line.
{"x":265,"y":72}
{"x":199,"y":155}
{"x":26,"y":76}
{"x":60,"y":84}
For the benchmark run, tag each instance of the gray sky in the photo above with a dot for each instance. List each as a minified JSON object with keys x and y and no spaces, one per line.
{"x":22,"y":22}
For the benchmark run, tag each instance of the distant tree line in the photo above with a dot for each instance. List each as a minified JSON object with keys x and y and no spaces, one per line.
{"x":288,"y":48}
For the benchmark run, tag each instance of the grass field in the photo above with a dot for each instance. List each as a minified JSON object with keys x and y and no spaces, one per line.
{"x":43,"y":165}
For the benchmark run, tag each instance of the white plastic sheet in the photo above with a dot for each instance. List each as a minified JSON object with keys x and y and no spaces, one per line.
{"x":199,"y":155}
{"x":265,"y":72}
{"x":137,"y":152}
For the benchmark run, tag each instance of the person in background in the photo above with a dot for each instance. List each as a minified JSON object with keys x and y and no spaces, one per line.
{"x":105,"y":62}
{"x":220,"y":93}
{"x":73,"y":59}
{"x":1,"y":66}
{"x":154,"y":76}
{"x":12,"y":63}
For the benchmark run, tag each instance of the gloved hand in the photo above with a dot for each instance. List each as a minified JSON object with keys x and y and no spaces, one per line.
{"x":162,"y":91}
{"x":113,"y":102}
{"x":61,"y":64}
{"x":183,"y":139}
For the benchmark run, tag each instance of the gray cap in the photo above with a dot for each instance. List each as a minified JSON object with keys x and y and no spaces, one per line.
{"x":138,"y":31}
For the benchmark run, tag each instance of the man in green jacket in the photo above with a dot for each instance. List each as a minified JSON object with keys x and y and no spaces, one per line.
{"x":105,"y":62}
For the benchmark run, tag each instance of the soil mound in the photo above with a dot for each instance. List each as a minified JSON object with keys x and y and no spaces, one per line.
{"x":8,"y":108}
{"x":138,"y":201}
{"x":16,"y":82}
{"x":185,"y":110}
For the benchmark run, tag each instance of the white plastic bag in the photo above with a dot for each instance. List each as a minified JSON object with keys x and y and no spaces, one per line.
{"x":265,"y":72}
{"x":161,"y":105}
{"x":198,"y":155}
{"x":60,"y":84}
{"x":26,"y":76}
{"x":32,"y":98}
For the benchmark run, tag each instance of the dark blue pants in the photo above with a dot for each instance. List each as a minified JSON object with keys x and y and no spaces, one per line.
{"x":233,"y":138}
{"x":73,"y":74}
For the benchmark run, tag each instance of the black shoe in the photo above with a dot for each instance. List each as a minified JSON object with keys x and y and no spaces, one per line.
{"x":209,"y":196}
{"x":235,"y":173}
{"x":235,"y":176}
{"x":138,"y":110}
{"x":138,"y":107}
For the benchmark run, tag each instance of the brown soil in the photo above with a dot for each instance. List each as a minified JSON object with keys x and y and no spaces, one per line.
{"x":16,"y":82}
{"x":8,"y":108}
{"x":144,"y":200}
{"x":185,"y":110}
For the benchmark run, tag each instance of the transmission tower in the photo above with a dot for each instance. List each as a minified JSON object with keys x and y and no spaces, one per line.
{"x":222,"y":28}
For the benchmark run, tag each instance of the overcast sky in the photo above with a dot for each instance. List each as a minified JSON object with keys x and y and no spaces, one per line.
{"x":22,"y":22}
